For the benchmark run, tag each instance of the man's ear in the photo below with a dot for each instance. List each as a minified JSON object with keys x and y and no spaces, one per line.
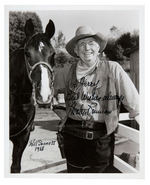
{"x":98,"y":47}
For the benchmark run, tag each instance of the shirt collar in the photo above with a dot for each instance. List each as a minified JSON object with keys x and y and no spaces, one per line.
{"x":84,"y":71}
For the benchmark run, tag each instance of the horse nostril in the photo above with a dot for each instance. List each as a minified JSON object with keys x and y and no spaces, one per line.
{"x":40,"y":98}
{"x":49,"y":97}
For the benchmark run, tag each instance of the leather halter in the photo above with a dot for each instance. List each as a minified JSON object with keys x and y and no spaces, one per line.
{"x":30,"y":68}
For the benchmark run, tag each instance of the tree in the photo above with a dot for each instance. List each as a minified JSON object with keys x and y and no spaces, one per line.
{"x":114,"y":51}
{"x":115,"y":32}
{"x":59,"y":41}
{"x":125,"y":40}
{"x":135,"y":39}
{"x":128,"y":41}
{"x":117,"y":49}
{"x":61,"y":57}
{"x":17,"y":21}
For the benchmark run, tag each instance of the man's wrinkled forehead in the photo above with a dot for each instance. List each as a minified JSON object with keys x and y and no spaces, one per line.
{"x":86,"y":39}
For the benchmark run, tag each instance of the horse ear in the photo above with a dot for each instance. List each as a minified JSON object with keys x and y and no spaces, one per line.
{"x":29,"y":28}
{"x":50,"y":29}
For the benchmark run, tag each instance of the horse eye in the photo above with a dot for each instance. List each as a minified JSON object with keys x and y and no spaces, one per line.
{"x":27,"y":54}
{"x":52,"y":82}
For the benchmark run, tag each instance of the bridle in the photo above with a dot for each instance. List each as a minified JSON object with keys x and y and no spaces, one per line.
{"x":30,"y":68}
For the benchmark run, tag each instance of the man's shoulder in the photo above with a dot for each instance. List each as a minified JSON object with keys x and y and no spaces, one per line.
{"x":112,"y":65}
{"x":115,"y":66}
{"x":112,"y":68}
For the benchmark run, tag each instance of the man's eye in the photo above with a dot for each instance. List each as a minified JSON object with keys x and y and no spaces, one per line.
{"x":91,"y":43}
{"x":82,"y":44}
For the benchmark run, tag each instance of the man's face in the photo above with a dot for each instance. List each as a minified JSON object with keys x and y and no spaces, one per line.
{"x":87,"y":49}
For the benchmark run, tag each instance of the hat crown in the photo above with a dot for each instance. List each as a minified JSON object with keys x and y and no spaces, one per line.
{"x":82,"y":30}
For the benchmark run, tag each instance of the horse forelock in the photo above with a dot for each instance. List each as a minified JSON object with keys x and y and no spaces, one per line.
{"x":35,"y":40}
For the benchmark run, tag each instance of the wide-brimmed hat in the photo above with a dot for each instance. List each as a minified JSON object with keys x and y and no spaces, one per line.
{"x":84,"y":32}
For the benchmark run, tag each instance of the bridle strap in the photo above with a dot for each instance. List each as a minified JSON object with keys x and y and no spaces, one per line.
{"x":31,"y":68}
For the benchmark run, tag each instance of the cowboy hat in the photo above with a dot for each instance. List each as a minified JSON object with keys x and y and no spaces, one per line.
{"x":84,"y":32}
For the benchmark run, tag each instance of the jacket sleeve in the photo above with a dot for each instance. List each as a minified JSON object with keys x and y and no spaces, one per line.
{"x":127,"y":89}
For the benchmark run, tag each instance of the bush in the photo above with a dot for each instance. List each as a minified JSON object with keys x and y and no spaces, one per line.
{"x":17,"y":21}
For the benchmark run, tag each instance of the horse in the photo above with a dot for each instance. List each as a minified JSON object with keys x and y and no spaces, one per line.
{"x":30,"y":69}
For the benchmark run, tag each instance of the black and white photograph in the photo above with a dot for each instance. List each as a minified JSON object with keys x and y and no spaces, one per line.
{"x":74,"y":90}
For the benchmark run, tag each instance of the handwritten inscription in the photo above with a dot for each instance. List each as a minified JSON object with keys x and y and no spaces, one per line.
{"x":93,"y":96}
{"x":88,"y":103}
{"x":86,"y":83}
{"x":39,"y":145}
{"x":85,"y":112}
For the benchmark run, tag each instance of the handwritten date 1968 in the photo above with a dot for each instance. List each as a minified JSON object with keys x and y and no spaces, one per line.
{"x":39,"y":145}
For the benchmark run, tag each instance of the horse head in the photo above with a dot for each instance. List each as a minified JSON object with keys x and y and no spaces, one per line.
{"x":39,"y":59}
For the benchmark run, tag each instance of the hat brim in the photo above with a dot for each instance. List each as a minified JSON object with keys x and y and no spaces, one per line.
{"x":100,"y":39}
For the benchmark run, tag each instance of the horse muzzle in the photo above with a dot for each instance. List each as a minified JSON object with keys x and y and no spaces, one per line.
{"x":40,"y":101}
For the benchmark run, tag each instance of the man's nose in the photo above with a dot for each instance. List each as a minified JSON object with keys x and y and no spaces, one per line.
{"x":87,"y":47}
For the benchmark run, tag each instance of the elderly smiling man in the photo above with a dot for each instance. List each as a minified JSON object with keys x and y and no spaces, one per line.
{"x":94,"y":90}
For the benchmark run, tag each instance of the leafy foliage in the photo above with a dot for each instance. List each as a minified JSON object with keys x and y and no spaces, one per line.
{"x":17,"y":21}
{"x":118,"y":49}
{"x":59,"y":41}
{"x":61,"y":57}
{"x":113,"y":50}
{"x":125,"y":40}
{"x":115,"y":32}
